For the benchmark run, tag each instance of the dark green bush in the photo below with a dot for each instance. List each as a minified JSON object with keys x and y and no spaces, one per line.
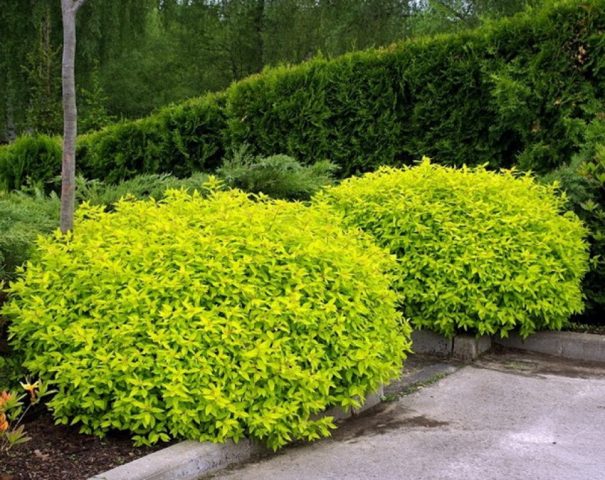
{"x":208,"y":318}
{"x":478,"y":251}
{"x":97,"y":192}
{"x":342,"y":110}
{"x":583,"y":180}
{"x":278,"y":176}
{"x":179,"y":139}
{"x":30,"y":159}
{"x":23,"y":217}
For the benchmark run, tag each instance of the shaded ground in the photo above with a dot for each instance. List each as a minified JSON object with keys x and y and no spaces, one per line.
{"x":61,"y":453}
{"x":419,"y":372}
{"x":510,"y":416}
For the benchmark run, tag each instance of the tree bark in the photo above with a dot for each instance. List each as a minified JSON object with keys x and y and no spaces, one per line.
{"x":70,"y":114}
{"x":10,"y":132}
{"x":259,"y":24}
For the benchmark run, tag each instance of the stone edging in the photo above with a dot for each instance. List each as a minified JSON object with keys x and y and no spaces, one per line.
{"x":462,"y":347}
{"x":184,"y":461}
{"x":587,"y":347}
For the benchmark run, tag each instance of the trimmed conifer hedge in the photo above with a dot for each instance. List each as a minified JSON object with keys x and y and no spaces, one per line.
{"x":517,"y":91}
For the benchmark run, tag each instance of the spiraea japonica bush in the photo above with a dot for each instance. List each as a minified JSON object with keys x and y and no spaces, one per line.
{"x":208,"y":317}
{"x":478,"y":251}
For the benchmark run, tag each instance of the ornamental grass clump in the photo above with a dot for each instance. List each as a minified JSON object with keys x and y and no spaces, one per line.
{"x":478,"y":251}
{"x":208,"y":317}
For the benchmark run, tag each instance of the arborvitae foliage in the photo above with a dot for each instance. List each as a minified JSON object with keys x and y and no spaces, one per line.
{"x":510,"y":92}
{"x":515,"y":91}
{"x":30,"y":159}
{"x":584,"y":183}
{"x":180,"y":139}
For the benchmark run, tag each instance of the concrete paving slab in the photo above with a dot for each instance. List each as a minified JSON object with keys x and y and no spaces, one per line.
{"x":488,"y":422}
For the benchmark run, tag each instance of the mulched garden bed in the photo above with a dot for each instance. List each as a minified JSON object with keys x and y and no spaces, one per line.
{"x":60,"y":453}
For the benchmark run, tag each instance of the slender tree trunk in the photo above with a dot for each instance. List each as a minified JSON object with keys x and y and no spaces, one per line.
{"x":259,"y":24}
{"x":70,"y":114}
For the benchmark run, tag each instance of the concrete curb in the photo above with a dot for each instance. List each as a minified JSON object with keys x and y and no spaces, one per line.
{"x":184,"y":461}
{"x":462,"y":347}
{"x":190,"y":460}
{"x":468,"y":348}
{"x":430,"y":343}
{"x":588,"y":347}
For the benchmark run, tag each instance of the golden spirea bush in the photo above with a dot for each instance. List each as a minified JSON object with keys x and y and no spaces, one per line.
{"x":208,"y":318}
{"x":478,"y":251}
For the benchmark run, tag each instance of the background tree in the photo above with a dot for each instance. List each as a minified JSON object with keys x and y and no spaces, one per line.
{"x":42,"y":71}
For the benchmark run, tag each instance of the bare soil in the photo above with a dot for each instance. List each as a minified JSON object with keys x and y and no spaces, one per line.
{"x":59,"y":453}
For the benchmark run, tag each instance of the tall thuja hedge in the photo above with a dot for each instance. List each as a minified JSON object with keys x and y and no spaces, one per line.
{"x":342,"y":110}
{"x":512,"y":92}
{"x":516,"y":91}
{"x":179,"y":139}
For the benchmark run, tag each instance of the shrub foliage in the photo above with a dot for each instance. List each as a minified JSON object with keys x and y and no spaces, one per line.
{"x":28,"y":213}
{"x":478,"y":251}
{"x":30,"y":159}
{"x":179,"y":139}
{"x":584,"y":182}
{"x":208,"y":318}
{"x":23,"y":217}
{"x":277,"y":176}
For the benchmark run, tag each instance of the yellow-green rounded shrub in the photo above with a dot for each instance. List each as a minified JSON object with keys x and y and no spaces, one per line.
{"x":478,"y":251}
{"x":208,"y":318}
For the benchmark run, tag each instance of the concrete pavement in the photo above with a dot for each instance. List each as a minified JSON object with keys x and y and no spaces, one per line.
{"x":513,"y":417}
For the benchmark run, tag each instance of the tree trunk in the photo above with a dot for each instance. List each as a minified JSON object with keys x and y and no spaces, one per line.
{"x":10,"y":132}
{"x":70,"y":116}
{"x":259,"y":25}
